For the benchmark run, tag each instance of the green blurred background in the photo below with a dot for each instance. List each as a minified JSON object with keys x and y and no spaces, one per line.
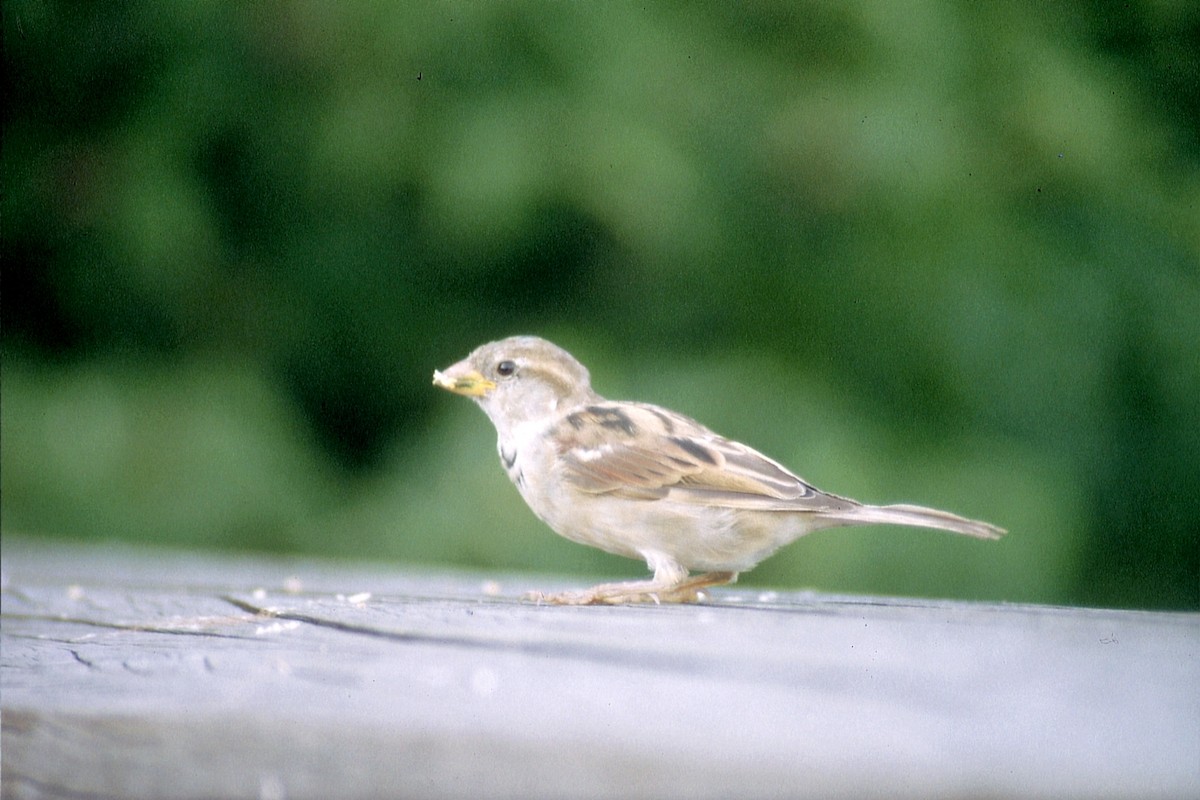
{"x":934,"y":252}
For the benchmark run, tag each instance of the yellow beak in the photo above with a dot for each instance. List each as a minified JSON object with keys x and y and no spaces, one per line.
{"x":469,"y":384}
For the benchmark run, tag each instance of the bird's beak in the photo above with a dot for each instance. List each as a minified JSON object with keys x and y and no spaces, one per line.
{"x":462,"y":379}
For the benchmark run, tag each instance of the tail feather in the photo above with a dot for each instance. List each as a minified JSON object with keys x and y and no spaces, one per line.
{"x":921,"y":517}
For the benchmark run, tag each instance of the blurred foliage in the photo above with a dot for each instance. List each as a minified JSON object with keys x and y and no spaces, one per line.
{"x":937,"y":252}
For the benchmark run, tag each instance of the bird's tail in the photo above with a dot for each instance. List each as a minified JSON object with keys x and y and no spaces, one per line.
{"x":921,"y":517}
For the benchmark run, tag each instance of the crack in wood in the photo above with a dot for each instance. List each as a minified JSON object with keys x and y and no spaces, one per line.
{"x":180,"y":630}
{"x":658,"y":661}
{"x":86,"y":662}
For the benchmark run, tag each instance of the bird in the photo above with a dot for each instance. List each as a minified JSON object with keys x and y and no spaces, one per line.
{"x":648,"y":483}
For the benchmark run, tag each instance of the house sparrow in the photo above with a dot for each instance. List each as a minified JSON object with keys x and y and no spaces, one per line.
{"x":643,"y":482}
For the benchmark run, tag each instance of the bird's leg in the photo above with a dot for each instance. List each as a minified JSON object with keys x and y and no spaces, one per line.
{"x":670,"y":584}
{"x":705,"y":580}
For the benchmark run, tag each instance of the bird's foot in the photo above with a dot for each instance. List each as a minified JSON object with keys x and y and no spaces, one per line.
{"x":689,"y":590}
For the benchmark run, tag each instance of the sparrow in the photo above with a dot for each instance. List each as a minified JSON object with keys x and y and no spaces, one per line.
{"x":648,"y":483}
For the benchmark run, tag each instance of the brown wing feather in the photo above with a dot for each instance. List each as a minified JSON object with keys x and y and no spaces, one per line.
{"x":641,"y":451}
{"x":609,"y":449}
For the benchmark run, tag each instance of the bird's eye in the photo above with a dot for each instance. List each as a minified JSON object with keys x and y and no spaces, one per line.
{"x":505,"y":368}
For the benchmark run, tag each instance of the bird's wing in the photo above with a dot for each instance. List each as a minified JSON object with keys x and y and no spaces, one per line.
{"x":641,"y":451}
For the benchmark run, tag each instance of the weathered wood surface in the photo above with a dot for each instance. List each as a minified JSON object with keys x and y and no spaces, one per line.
{"x":168,"y":675}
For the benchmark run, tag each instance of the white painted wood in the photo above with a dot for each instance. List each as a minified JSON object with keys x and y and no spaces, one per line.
{"x":145,"y":674}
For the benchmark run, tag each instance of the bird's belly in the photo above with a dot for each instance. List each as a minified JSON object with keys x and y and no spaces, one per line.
{"x":707,"y":539}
